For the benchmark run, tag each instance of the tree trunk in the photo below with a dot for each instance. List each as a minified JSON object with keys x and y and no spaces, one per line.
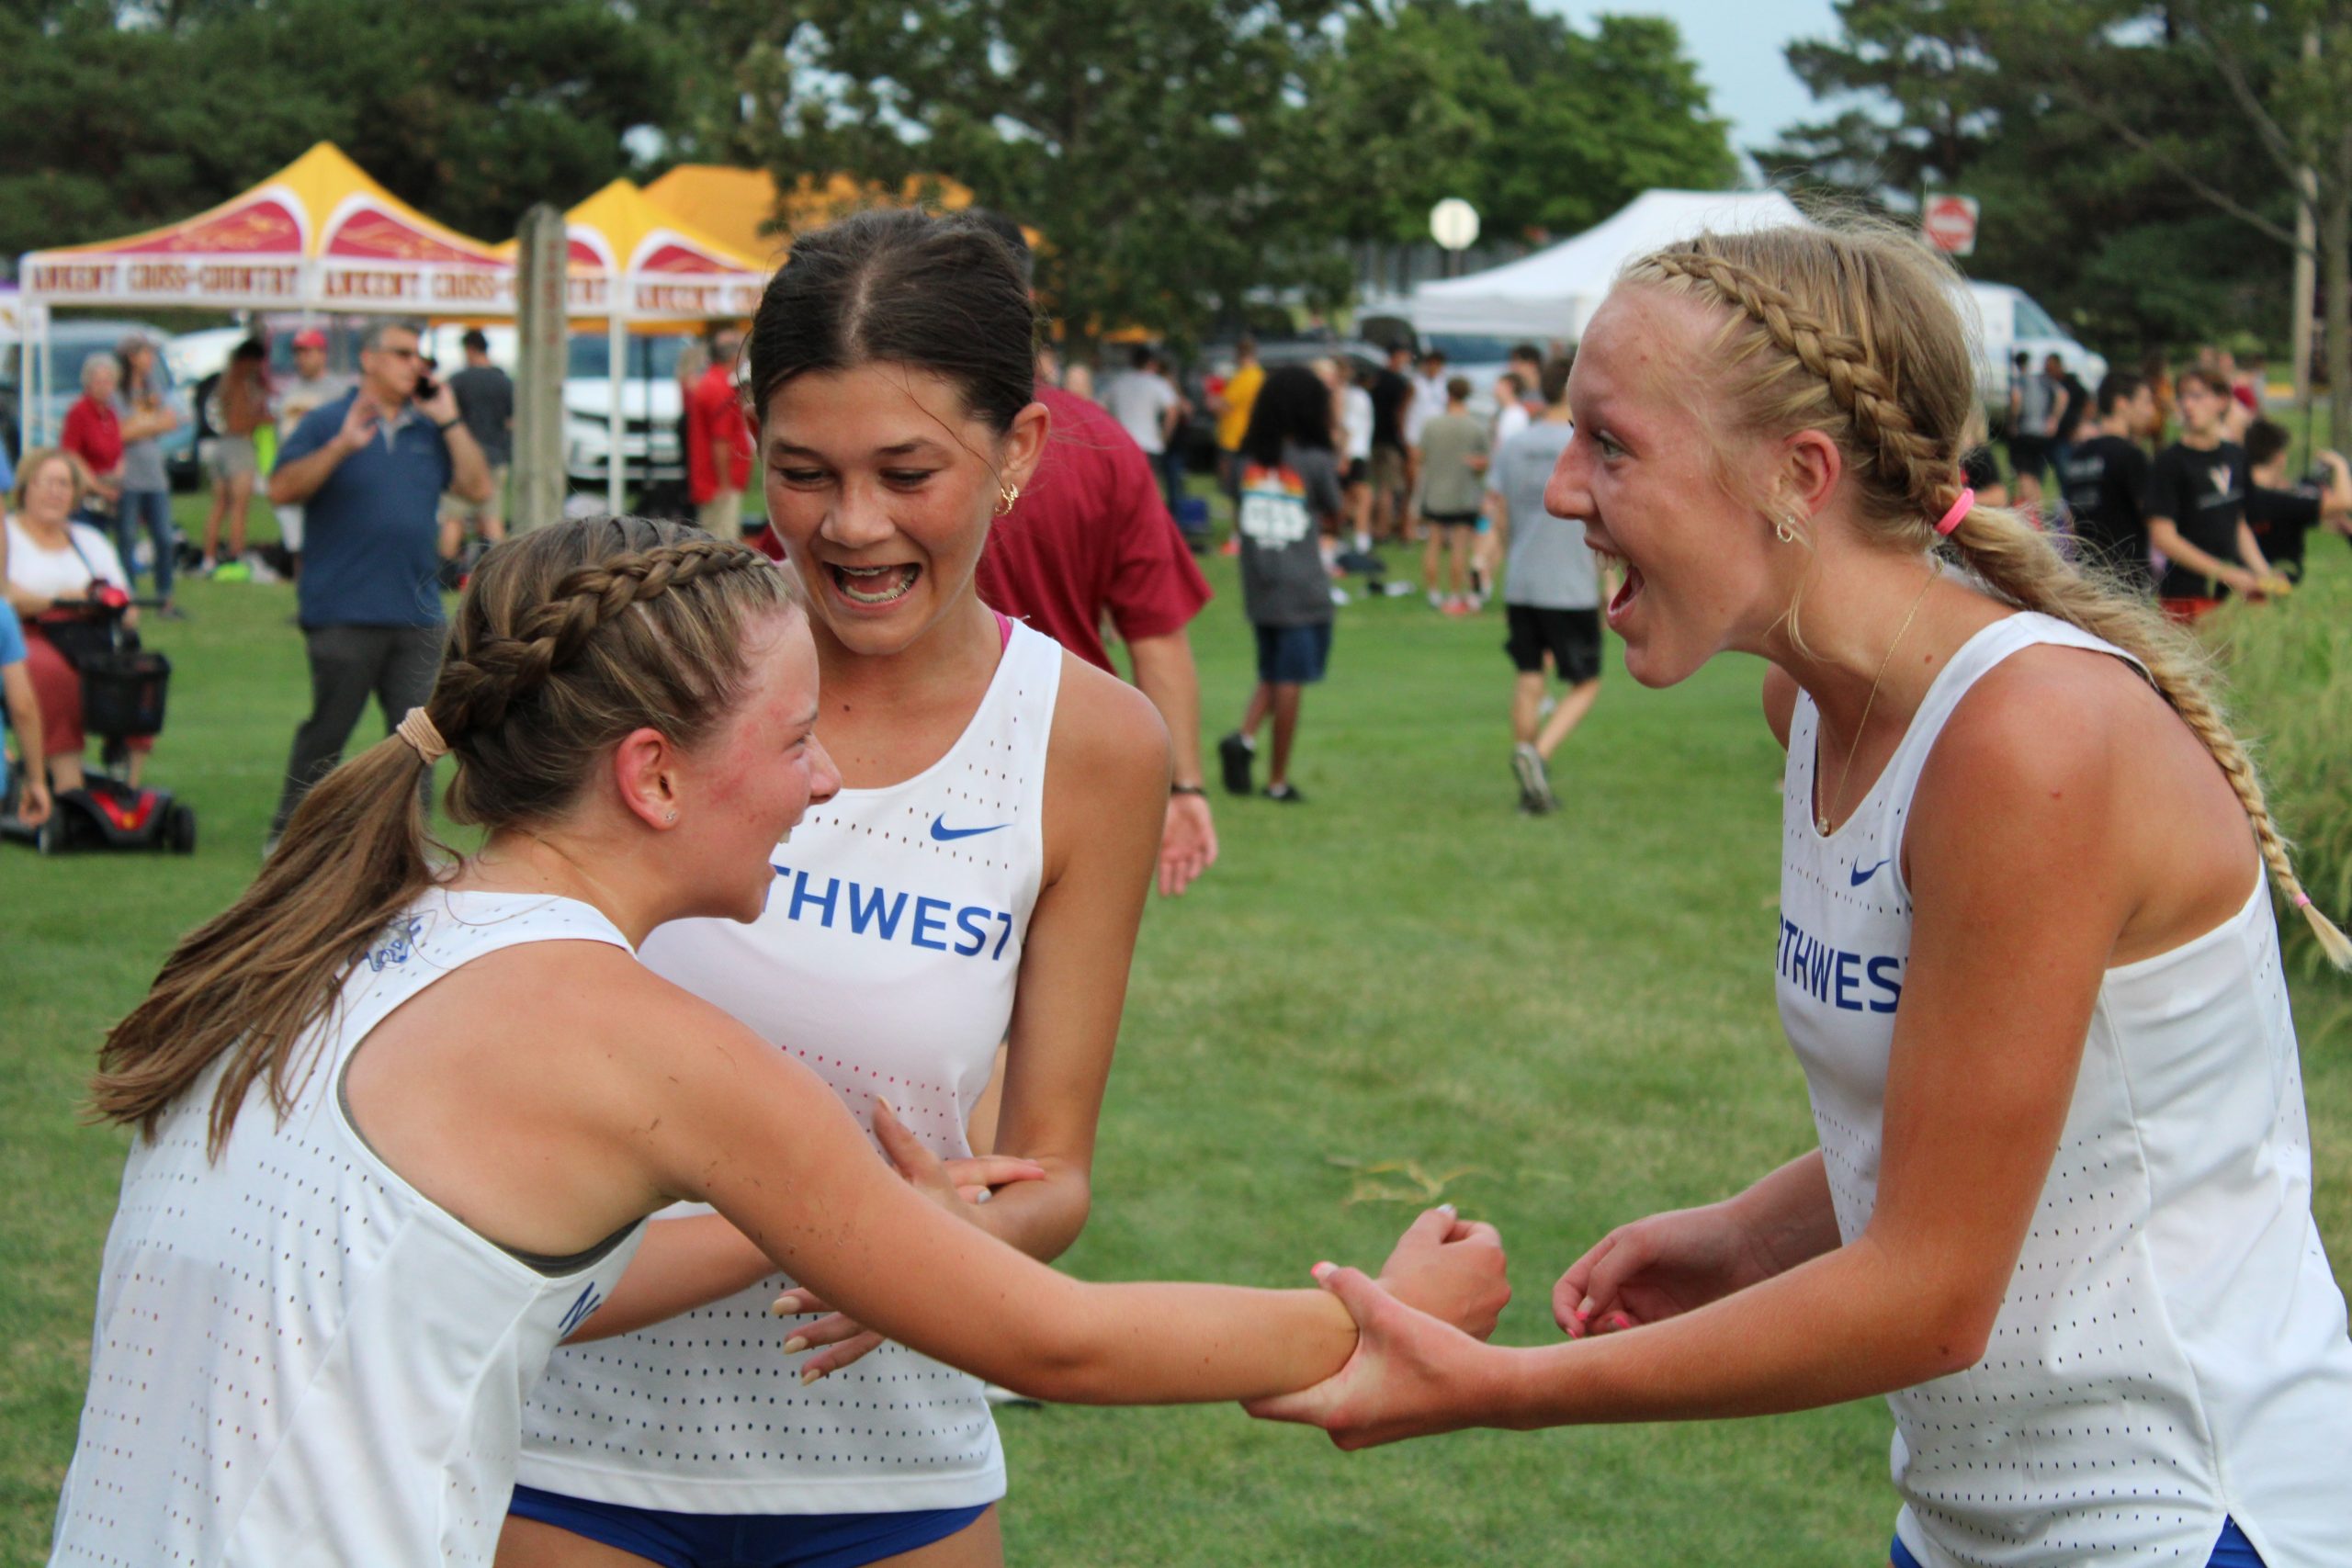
{"x":2335,"y":249}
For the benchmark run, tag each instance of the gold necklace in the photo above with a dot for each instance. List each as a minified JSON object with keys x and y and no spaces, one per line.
{"x":1822,"y":820}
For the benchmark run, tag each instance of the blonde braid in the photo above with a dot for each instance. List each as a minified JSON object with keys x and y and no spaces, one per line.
{"x":1915,"y":477}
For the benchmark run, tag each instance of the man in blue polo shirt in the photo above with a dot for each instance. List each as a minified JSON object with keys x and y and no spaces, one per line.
{"x":368,"y":470}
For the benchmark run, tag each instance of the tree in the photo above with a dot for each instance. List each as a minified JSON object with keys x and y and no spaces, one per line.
{"x":124,"y":115}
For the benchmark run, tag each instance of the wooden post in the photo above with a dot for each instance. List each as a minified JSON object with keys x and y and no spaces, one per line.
{"x":542,"y":314}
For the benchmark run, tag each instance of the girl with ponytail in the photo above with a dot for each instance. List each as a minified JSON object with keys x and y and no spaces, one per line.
{"x":401,"y":1120}
{"x":2060,"y":1213}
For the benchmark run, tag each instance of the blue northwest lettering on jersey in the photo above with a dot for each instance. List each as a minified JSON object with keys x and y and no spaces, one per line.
{"x":397,"y":949}
{"x":1833,"y":976}
{"x":942,"y":833}
{"x":879,"y":913}
{"x":588,"y":1301}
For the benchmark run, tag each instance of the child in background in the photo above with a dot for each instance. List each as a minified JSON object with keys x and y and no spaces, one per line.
{"x":1289,"y":494}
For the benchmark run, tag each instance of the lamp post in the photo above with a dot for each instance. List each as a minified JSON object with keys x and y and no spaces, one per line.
{"x":1454,"y":224}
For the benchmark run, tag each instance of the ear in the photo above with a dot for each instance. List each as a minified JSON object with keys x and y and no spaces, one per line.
{"x":1812,"y":466}
{"x":1024,"y":444}
{"x":645,"y":768}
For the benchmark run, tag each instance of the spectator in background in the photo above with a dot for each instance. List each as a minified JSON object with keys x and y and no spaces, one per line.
{"x":2279,"y":511}
{"x":1290,"y":492}
{"x":244,"y":399}
{"x":2068,"y":418}
{"x":1392,"y":468}
{"x":2106,"y":480}
{"x":2033,"y":398}
{"x":1232,"y":403}
{"x":718,"y":456}
{"x":1526,"y":368}
{"x":92,"y":432}
{"x":370,"y":469}
{"x":1147,"y":407}
{"x":313,"y":386}
{"x":51,"y":555}
{"x":1356,"y":422}
{"x":673,"y":498}
{"x":2197,"y":508}
{"x":1551,"y":595}
{"x":146,"y":505}
{"x":486,"y":402}
{"x":1455,"y":450}
{"x":1429,"y":402}
{"x":20,"y":711}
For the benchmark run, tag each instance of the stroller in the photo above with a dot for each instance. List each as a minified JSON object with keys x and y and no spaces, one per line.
{"x":123,"y":688}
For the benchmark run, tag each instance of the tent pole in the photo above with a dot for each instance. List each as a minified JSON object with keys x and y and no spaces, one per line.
{"x":616,"y":334}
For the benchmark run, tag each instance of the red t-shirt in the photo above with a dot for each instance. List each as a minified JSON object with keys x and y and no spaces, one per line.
{"x":713,"y":406}
{"x":92,"y":434}
{"x":1090,"y":535}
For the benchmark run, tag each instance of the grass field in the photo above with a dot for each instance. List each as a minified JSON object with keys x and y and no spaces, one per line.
{"x":1400,"y":990}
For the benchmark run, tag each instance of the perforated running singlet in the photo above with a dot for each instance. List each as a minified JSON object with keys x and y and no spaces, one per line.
{"x":299,"y":1360}
{"x":2172,"y":1348}
{"x":886,"y":962}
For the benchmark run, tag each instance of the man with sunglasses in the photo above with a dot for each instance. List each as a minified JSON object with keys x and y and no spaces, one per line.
{"x":368,"y":469}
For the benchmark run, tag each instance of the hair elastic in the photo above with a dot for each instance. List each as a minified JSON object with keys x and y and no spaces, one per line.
{"x":416,"y":727}
{"x":2302,"y":899}
{"x":1959,"y":509}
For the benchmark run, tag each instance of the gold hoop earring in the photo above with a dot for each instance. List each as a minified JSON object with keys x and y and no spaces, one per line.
{"x":1005,"y":497}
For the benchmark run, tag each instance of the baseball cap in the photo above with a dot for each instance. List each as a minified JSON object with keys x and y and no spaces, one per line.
{"x":310,"y":337}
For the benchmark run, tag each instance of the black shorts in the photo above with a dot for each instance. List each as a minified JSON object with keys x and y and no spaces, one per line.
{"x":1451,"y":519}
{"x":1571,"y":637}
{"x":1359,"y":471}
{"x":2029,"y":455}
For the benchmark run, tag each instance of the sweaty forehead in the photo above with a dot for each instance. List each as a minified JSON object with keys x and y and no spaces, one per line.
{"x":1642,"y":344}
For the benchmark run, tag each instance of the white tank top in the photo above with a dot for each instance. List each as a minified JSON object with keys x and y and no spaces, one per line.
{"x":885,"y":960}
{"x":298,"y":1358}
{"x":2173,"y":1350}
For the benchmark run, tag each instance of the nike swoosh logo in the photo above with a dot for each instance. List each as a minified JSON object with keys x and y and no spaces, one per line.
{"x":942,"y":834}
{"x":1858,"y":875}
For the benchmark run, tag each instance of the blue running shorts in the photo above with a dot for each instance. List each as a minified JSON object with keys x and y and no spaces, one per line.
{"x":744,"y":1540}
{"x":2231,"y":1551}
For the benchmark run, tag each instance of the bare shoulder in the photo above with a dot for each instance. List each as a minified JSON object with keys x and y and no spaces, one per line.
{"x":1780,"y":702}
{"x":601,"y":1010}
{"x":1106,"y":734}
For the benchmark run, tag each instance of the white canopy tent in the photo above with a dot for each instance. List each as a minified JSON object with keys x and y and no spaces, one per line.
{"x":1552,"y":293}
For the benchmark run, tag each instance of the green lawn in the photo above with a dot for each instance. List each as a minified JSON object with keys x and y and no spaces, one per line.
{"x":1403,"y":988}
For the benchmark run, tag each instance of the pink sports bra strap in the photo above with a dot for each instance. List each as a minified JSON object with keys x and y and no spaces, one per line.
{"x":1003,"y":630}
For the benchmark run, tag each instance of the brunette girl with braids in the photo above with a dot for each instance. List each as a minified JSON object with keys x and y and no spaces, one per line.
{"x":399,"y":1119}
{"x":2060,"y":1213}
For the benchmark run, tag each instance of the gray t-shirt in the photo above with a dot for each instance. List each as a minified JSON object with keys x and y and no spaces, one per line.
{"x":1283,"y":582}
{"x":1449,"y":484}
{"x":1549,"y":567}
{"x":486,"y":402}
{"x":142,"y":461}
{"x":2035,"y":400}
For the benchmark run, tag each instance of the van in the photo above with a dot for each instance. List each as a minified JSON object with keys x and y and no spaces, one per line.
{"x":2004,"y":321}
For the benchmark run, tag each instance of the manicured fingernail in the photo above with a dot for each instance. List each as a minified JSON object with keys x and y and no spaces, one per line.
{"x":1619,"y":1320}
{"x":785,"y":1306}
{"x":795,"y":1344}
{"x":1319,"y":1272}
{"x":1445,"y":1208}
{"x":1586,"y":1309}
{"x":810,"y":1375}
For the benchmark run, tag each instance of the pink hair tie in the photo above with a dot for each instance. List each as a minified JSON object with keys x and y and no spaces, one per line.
{"x":2302,"y":900}
{"x":1960,"y":508}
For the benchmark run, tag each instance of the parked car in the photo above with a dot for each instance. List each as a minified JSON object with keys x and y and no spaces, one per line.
{"x":72,"y":341}
{"x":2005,"y":320}
{"x":650,"y":408}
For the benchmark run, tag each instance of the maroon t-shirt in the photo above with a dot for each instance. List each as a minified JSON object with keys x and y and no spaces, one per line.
{"x":1090,"y":535}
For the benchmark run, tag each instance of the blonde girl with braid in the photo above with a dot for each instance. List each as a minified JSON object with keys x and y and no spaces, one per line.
{"x":399,"y":1119}
{"x":2060,"y":1210}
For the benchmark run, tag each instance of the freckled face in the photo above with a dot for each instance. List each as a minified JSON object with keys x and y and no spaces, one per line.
{"x":881,"y":485}
{"x":1640,"y":474}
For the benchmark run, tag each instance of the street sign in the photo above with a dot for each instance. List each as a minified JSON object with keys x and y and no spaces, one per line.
{"x":1949,"y":223}
{"x":1454,"y":224}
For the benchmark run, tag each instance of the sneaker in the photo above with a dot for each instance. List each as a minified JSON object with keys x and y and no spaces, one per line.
{"x":1437,"y":600}
{"x":1535,"y":796}
{"x":1285,"y":793}
{"x":171,"y":613}
{"x":1234,"y":754}
{"x":1338,"y":594}
{"x":232,"y":572}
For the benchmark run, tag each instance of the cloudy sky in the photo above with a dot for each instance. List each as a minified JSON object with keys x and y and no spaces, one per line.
{"x":1737,"y":44}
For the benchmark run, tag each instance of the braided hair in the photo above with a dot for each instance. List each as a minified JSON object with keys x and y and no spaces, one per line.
{"x":1853,"y":331}
{"x":568,"y":638}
